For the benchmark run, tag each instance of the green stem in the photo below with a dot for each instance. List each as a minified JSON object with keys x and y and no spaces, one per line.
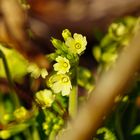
{"x":11,"y":84}
{"x":118,"y":126}
{"x":27,"y":134}
{"x":52,"y":135}
{"x":2,"y":110}
{"x":73,"y":97}
{"x":35,"y":133}
{"x":57,"y":107}
{"x":73,"y":102}
{"x":132,"y":119}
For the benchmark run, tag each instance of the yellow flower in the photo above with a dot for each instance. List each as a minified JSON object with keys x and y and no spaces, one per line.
{"x":62,"y":66}
{"x":60,"y":83}
{"x":44,"y":98}
{"x":77,"y":44}
{"x":66,"y":33}
{"x":4,"y":134}
{"x":20,"y":113}
{"x":36,"y":72}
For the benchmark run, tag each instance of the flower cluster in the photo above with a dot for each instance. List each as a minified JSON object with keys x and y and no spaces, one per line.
{"x":54,"y":93}
{"x":52,"y":122}
{"x":118,"y":36}
{"x":36,"y":72}
{"x":44,"y":98}
{"x":66,"y":56}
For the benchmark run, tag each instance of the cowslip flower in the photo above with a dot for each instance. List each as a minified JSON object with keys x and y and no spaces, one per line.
{"x":77,"y":44}
{"x":36,"y":72}
{"x":62,"y":66}
{"x":20,"y":113}
{"x":44,"y":98}
{"x":60,"y":83}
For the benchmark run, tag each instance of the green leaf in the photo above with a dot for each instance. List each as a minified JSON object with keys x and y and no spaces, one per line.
{"x":136,"y":130}
{"x":18,"y":128}
{"x":17,"y":64}
{"x":108,"y":134}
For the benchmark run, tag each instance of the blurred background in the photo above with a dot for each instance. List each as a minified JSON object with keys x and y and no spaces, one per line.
{"x":47,"y":18}
{"x":88,"y":17}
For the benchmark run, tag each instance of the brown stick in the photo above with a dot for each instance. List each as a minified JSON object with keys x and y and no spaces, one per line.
{"x":110,"y":85}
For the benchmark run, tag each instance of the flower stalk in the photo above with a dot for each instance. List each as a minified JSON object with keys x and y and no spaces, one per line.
{"x":52,"y":135}
{"x":73,"y":102}
{"x":11,"y":84}
{"x":73,"y":97}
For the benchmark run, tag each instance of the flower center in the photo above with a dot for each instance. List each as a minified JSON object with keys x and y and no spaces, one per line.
{"x":65,"y":64}
{"x":65,"y":79}
{"x":77,"y":45}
